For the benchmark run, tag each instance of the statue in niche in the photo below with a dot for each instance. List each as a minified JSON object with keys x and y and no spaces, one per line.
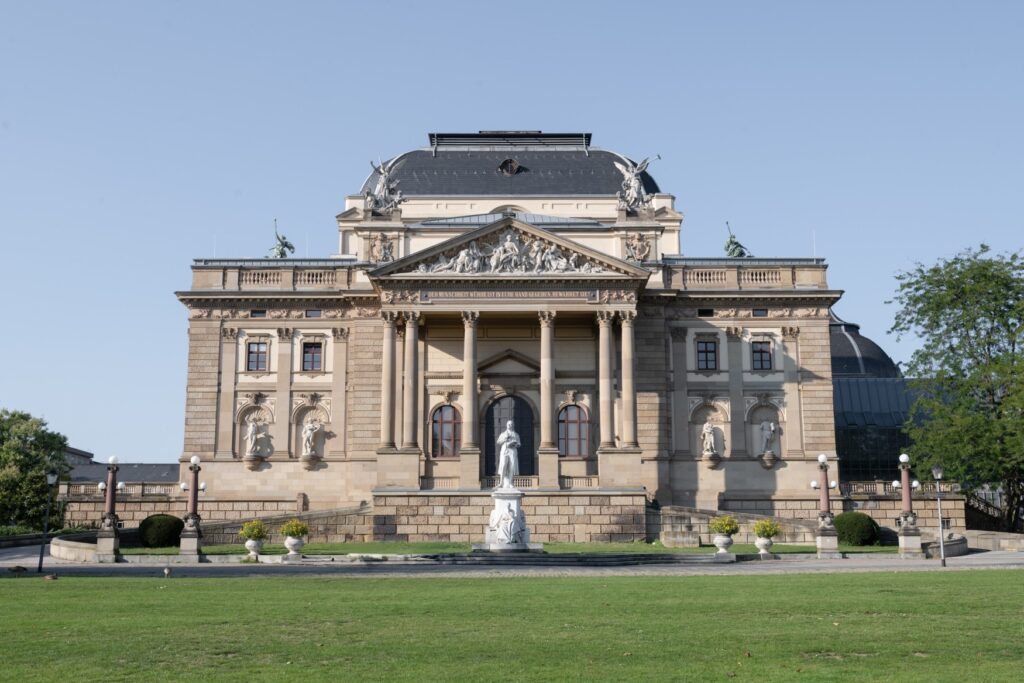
{"x":253,"y":432}
{"x":768,"y":432}
{"x":382,"y":249}
{"x":707,"y":439}
{"x":638,"y":248}
{"x":508,"y":460}
{"x":309,"y":432}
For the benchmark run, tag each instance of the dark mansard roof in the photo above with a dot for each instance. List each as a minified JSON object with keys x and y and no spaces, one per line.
{"x":509,"y":163}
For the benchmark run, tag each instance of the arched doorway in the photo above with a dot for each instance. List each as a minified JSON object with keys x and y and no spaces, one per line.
{"x":498,"y":414}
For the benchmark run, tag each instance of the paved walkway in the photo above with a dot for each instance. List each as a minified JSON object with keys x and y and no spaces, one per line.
{"x":28,"y":557}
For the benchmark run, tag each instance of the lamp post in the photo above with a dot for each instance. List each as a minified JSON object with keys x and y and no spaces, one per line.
{"x":108,"y":538}
{"x":192,"y":534}
{"x":909,"y":534}
{"x":937,"y":475}
{"x":51,"y":479}
{"x":827,"y":540}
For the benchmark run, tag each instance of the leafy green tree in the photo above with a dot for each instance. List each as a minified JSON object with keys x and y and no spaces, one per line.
{"x":28,"y":450}
{"x":969,"y":371}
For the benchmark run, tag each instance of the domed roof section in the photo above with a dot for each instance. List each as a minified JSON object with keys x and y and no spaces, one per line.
{"x":508,"y":163}
{"x":854,"y":355}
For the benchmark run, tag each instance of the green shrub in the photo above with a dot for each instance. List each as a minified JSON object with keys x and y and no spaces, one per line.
{"x":725,"y":525}
{"x":160,"y":531}
{"x":766,"y":528}
{"x":18,"y":530}
{"x":295,"y":528}
{"x":856,"y":528}
{"x":255,"y":530}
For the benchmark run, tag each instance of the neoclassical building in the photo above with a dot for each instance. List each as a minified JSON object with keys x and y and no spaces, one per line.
{"x":516,"y":276}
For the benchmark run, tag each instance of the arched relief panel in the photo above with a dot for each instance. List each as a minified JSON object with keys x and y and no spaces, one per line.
{"x":253,"y":437}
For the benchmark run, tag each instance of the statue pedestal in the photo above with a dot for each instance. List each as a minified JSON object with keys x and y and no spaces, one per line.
{"x":910,"y":543}
{"x":507,"y":530}
{"x":191,"y":543}
{"x":108,"y":545}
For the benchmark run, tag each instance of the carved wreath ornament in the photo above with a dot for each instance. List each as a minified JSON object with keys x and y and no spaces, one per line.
{"x":511,"y":253}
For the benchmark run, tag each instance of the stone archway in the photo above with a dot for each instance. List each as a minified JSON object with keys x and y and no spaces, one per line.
{"x":499,"y":412}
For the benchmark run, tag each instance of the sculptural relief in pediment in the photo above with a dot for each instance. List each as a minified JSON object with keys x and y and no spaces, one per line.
{"x":510,"y":252}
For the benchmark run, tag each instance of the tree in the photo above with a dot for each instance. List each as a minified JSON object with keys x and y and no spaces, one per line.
{"x":969,"y":371}
{"x":28,"y":450}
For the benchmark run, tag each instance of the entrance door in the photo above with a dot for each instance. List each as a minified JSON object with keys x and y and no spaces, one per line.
{"x":498,"y":414}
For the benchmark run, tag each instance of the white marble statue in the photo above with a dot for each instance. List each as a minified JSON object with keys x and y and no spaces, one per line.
{"x":768,"y":432}
{"x":707,"y":439}
{"x":253,"y":431}
{"x":309,"y":432}
{"x":632,"y":195}
{"x":508,"y":460}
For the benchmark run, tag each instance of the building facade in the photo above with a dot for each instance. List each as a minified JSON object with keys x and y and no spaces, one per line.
{"x":511,"y":276}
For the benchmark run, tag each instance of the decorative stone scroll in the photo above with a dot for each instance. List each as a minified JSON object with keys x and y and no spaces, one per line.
{"x":511,"y":253}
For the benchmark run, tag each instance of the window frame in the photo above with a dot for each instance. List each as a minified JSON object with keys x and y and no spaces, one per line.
{"x":249,"y":342}
{"x":762,"y":356}
{"x":582,"y":438}
{"x":312,"y":341}
{"x":437,"y":441}
{"x":714,"y":351}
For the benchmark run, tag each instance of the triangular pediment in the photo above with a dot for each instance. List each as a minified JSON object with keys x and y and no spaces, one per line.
{"x":509,"y":362}
{"x":509,"y":248}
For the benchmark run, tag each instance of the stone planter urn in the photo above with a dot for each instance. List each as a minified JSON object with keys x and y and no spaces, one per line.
{"x":294,"y":545}
{"x":722,"y":542}
{"x":254,"y":547}
{"x":764,"y":545}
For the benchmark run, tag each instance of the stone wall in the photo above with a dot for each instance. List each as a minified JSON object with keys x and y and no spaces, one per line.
{"x":88,"y":512}
{"x":552,"y":516}
{"x":201,"y":392}
{"x":362,"y":433}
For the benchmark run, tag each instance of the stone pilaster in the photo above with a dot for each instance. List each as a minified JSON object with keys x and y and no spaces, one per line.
{"x":791,"y":392}
{"x":226,"y":394}
{"x":737,"y":441}
{"x":339,"y":391}
{"x":411,"y":389}
{"x":469,"y":450}
{"x":387,"y":382}
{"x":281,"y":428}
{"x":628,"y":370}
{"x":680,"y":417}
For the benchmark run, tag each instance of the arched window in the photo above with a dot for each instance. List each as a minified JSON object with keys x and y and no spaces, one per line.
{"x":446,"y":430}
{"x":573,"y":432}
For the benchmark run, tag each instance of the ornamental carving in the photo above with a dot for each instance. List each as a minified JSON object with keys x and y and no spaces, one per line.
{"x":339,"y":333}
{"x":284,"y":333}
{"x":510,"y":253}
{"x":229,"y":333}
{"x":385,"y":196}
{"x":318,"y":404}
{"x":382,"y":249}
{"x":608,"y":296}
{"x":638,"y":248}
{"x":397,"y":296}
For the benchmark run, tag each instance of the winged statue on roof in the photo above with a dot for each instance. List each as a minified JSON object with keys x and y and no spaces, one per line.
{"x":283,"y":246}
{"x":385,"y":195}
{"x":632,"y":195}
{"x":733,"y":248}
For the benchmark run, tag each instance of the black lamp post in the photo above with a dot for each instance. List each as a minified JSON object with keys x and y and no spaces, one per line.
{"x":51,"y":479}
{"x":937,"y":475}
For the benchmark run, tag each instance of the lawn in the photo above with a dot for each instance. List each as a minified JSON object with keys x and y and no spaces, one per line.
{"x":430,"y":548}
{"x":955,"y":626}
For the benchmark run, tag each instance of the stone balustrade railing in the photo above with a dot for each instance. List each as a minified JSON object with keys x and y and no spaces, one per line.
{"x":518,"y":482}
{"x":885,"y":488}
{"x":270,"y":274}
{"x":131,"y":490}
{"x":748,"y":273}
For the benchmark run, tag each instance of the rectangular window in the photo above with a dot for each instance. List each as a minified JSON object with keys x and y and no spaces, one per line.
{"x":761,"y":355}
{"x":707,"y":355}
{"x":256,"y":356}
{"x":705,"y":313}
{"x":312,"y":313}
{"x":261,"y":313}
{"x":312,"y":356}
{"x":760,"y":312}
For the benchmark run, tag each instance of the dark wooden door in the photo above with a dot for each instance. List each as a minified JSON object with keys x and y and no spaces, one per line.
{"x":498,"y":414}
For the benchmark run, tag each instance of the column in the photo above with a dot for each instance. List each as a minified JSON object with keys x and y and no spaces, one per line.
{"x":412,"y":338}
{"x":226,"y":396}
{"x":628,"y":381}
{"x":469,"y":448}
{"x":607,"y":399}
{"x":398,"y":419}
{"x":791,"y":391}
{"x":339,"y":391}
{"x":387,"y":381}
{"x":547,"y":454}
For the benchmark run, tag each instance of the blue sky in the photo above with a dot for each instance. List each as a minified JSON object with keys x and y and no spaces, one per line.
{"x":135,"y":137}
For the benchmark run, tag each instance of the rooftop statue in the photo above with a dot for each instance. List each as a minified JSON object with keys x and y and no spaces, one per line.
{"x":283,"y":246}
{"x":733,"y":248}
{"x":385,"y":195}
{"x":632,"y":195}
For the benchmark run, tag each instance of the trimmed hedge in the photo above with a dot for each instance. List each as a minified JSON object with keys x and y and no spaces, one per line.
{"x":857,"y":528}
{"x":160,"y":531}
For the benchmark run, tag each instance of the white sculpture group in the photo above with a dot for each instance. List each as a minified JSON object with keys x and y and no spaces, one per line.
{"x":511,"y":254}
{"x":506,"y":528}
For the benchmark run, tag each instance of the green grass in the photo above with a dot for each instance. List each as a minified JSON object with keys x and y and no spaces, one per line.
{"x":955,"y":626}
{"x":430,"y":548}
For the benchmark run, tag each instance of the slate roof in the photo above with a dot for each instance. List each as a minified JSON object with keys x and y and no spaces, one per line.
{"x":854,"y":355}
{"x":549,"y":164}
{"x":127,"y":472}
{"x":871,"y":402}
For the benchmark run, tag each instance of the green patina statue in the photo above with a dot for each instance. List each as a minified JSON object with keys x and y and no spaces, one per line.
{"x":283,"y":246}
{"x":733,"y":248}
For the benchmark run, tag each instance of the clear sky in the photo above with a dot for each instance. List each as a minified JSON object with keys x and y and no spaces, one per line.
{"x":135,"y":137}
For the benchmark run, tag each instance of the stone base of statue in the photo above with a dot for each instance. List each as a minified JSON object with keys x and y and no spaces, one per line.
{"x":191,"y":543}
{"x":108,"y":545}
{"x":507,"y":531}
{"x":827,"y":539}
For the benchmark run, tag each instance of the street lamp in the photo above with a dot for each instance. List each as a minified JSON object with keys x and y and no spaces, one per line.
{"x":937,"y":475}
{"x":108,"y":537}
{"x":192,"y":533}
{"x":827,"y":540}
{"x":909,"y":534}
{"x":51,"y":479}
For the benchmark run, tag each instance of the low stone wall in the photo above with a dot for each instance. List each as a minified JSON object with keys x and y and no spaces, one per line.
{"x":884,"y":509}
{"x":682,"y":527}
{"x":74,"y":548}
{"x":344,"y":525}
{"x":89,"y":511}
{"x":566,"y":516}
